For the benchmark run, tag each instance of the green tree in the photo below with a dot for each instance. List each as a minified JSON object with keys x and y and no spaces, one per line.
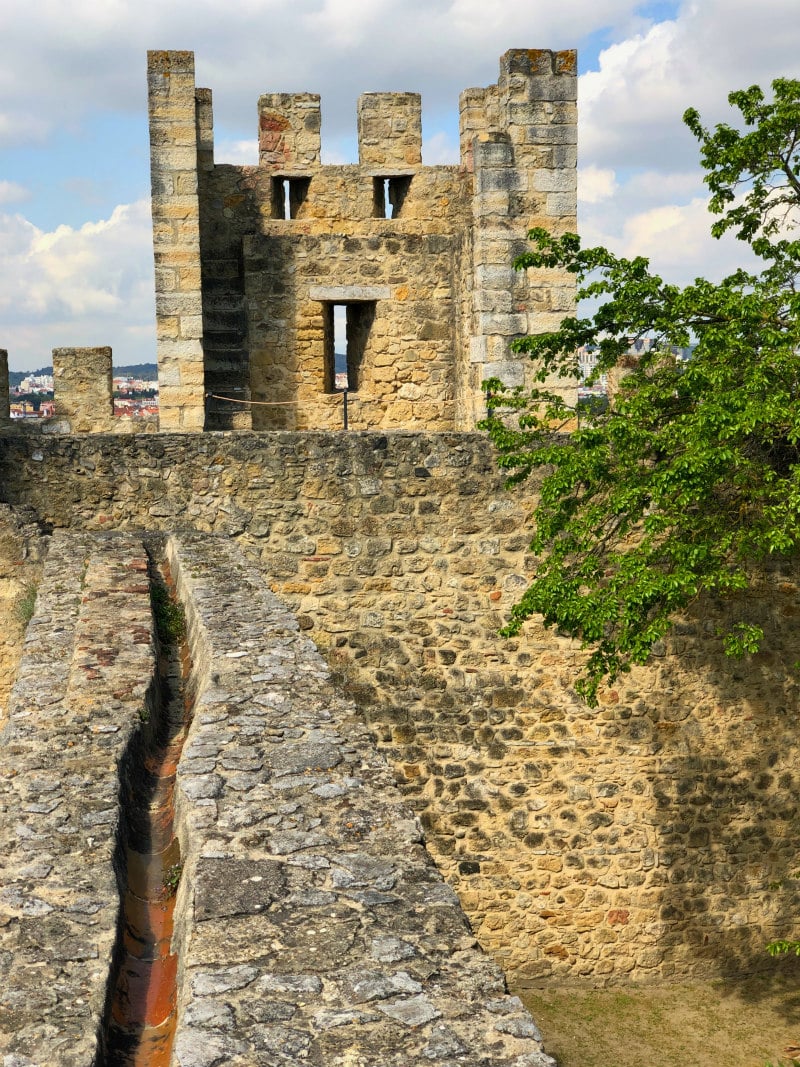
{"x":691,"y":478}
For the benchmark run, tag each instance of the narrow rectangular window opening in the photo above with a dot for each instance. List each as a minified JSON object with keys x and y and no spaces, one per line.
{"x":288,"y":195}
{"x":379,"y":198}
{"x":346,"y":330}
{"x":388,"y":196}
{"x":397,"y":192}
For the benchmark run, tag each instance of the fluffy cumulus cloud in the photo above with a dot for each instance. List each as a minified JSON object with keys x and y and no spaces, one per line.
{"x":86,"y":286}
{"x":630,"y":127}
{"x":62,"y":60}
{"x":631,"y":106}
{"x":65,"y":65}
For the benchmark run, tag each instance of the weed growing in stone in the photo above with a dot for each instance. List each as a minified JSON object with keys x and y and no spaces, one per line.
{"x":168,"y":615}
{"x":172,"y":878}
{"x":26,"y":604}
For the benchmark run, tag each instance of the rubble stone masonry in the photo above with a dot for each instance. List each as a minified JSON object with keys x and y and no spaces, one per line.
{"x":645,"y":838}
{"x":310,"y":923}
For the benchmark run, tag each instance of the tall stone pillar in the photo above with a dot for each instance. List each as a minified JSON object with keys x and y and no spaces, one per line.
{"x":83,"y":389}
{"x":4,"y":403}
{"x":520,"y":140}
{"x":176,"y":239}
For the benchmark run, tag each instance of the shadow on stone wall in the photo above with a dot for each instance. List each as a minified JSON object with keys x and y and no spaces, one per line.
{"x":726,"y":804}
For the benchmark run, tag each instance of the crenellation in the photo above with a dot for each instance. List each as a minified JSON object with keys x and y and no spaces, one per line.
{"x":289,"y":132}
{"x":389,"y":130}
{"x":268,"y":235}
{"x":83,"y":390}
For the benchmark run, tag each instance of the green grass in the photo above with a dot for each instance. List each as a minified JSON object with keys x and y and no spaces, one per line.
{"x":26,"y":605}
{"x":168,"y":615}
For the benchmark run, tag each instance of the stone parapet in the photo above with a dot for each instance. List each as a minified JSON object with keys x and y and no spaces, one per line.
{"x":81,"y":693}
{"x":312,"y":923}
{"x":83,"y":389}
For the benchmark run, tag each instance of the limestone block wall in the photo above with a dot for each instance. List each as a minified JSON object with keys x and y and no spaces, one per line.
{"x":174,"y":161}
{"x":643,"y":839}
{"x":442,"y":239}
{"x":520,"y":139}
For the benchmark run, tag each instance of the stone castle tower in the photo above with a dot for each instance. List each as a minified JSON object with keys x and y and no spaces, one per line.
{"x":252,"y":262}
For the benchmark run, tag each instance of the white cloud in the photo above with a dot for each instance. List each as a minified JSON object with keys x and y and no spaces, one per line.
{"x":86,"y":286}
{"x":61,"y":61}
{"x":242,"y":153}
{"x":13,"y":193}
{"x":596,"y":184}
{"x":440,"y":150}
{"x":631,"y":108}
{"x":675,"y":238}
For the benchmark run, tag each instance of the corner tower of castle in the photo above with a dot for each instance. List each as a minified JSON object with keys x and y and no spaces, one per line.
{"x":252,"y":262}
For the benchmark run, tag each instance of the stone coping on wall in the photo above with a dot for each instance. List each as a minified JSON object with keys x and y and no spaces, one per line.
{"x":313,"y":925}
{"x":81,"y":692}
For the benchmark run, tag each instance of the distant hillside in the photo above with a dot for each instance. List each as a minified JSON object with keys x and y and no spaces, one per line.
{"x":145,"y":371}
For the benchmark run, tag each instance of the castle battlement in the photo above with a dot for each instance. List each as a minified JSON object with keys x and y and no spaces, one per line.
{"x":254,"y":264}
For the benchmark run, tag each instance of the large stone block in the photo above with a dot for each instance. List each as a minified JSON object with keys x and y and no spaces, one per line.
{"x":82,"y":387}
{"x":389,"y":130}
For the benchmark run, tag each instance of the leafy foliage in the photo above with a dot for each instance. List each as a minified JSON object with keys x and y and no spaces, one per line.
{"x":692,"y":475}
{"x":168,"y":614}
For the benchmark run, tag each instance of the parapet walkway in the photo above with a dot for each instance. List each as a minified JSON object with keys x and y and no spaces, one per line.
{"x":311,"y":925}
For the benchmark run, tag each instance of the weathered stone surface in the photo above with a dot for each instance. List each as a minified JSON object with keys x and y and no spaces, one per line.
{"x":403,"y":246}
{"x":401,"y":554}
{"x":309,"y":918}
{"x":81,"y":691}
{"x":83,"y":390}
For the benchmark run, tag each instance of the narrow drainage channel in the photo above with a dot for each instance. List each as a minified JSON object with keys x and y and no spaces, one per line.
{"x":140,"y":1015}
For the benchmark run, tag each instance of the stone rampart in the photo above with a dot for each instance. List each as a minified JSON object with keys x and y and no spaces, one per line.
{"x":82,"y":690}
{"x":640,"y":839}
{"x":310,"y":922}
{"x":313,"y":926}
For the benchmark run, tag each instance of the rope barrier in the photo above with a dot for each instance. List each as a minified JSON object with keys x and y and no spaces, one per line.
{"x":287,"y":403}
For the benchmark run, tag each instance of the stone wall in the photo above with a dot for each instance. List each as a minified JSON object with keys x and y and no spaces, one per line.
{"x":83,"y":688}
{"x":176,"y":150}
{"x":83,"y":390}
{"x":309,"y":921}
{"x":313,"y":925}
{"x":643,"y":838}
{"x":22,"y":549}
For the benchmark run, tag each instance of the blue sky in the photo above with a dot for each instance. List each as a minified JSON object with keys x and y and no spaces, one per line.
{"x":76,"y":263}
